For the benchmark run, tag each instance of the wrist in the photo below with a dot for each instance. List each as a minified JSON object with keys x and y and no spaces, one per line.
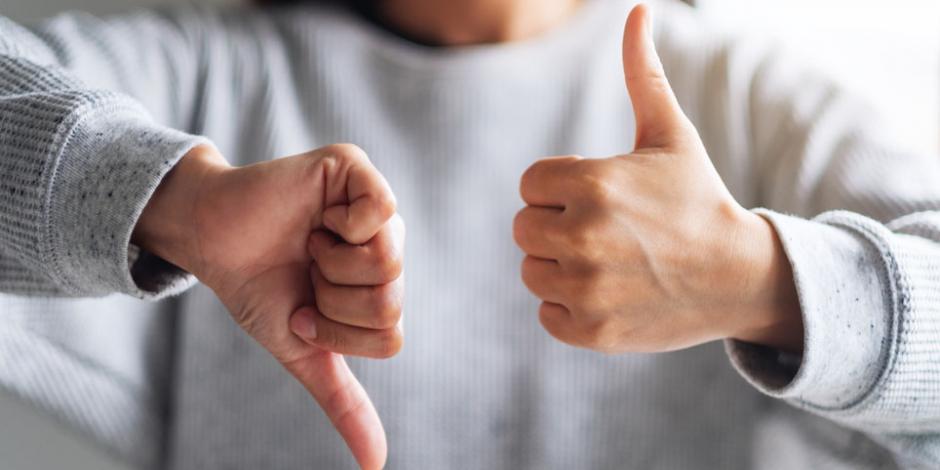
{"x":768,"y":312}
{"x":168,"y":226}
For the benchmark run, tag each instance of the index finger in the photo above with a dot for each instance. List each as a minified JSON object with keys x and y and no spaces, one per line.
{"x":363,"y":198}
{"x":546,"y":183}
{"x":378,"y":261}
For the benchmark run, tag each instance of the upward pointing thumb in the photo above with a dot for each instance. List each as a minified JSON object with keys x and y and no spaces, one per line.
{"x":659,"y":119}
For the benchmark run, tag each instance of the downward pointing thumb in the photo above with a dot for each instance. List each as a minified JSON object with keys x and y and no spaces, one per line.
{"x":659,"y":119}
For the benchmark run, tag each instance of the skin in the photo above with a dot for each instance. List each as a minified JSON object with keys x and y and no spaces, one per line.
{"x":469,"y":22}
{"x":648,"y":251}
{"x":306,"y":251}
{"x":306,"y":254}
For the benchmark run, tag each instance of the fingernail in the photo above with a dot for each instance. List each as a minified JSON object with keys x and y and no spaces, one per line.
{"x":304,"y":324}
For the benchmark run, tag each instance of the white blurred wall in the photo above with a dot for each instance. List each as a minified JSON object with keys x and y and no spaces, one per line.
{"x":888,"y":51}
{"x":30,"y":441}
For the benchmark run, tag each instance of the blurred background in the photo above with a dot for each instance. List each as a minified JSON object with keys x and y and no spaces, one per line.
{"x":889,"y":52}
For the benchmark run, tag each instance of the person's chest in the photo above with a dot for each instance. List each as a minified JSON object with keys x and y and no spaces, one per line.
{"x":478,"y":379}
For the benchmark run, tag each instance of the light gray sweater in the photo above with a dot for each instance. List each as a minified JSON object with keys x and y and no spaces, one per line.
{"x":93,"y":112}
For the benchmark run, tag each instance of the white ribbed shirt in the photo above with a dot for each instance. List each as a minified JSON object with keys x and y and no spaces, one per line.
{"x":93,"y":112}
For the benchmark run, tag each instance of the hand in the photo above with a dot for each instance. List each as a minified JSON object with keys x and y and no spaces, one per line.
{"x":649,"y":251}
{"x":306,"y":254}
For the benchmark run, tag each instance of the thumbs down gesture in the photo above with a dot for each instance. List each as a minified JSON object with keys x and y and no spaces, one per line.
{"x":306,"y":253}
{"x":648,"y":251}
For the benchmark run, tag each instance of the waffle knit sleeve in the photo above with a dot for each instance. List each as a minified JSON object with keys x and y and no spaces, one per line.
{"x":859,"y":219}
{"x":858,"y":216}
{"x":90,"y":112}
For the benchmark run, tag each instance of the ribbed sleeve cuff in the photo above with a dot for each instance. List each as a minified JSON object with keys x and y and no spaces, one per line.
{"x":111,"y":162}
{"x":845,"y":297}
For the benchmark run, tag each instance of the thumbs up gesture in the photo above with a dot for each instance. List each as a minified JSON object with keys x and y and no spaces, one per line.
{"x":648,"y":251}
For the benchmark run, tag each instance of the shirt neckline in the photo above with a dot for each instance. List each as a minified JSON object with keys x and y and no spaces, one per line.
{"x":576,"y":35}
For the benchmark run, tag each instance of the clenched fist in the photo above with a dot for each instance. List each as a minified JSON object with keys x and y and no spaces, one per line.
{"x":649,"y":251}
{"x":306,"y":254}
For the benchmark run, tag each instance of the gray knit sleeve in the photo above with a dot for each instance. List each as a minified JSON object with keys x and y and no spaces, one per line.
{"x":88,"y":116}
{"x":859,"y":219}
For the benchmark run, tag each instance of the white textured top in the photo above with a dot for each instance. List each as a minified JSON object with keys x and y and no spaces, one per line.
{"x":93,"y":112}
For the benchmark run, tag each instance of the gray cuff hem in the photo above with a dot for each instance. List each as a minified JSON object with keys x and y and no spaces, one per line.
{"x":111,"y":163}
{"x":840,"y":277}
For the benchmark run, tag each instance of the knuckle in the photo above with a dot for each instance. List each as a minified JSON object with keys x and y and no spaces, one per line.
{"x":562,"y":330}
{"x":386,"y":205}
{"x":602,"y":335}
{"x":387,"y":307}
{"x":520,"y":228}
{"x":557,"y":333}
{"x":582,"y":240}
{"x":596,"y":179}
{"x":586,"y":237}
{"x":346,"y":150}
{"x":529,"y":175}
{"x":568,"y":337}
{"x":548,"y":319}
{"x":580,"y":306}
{"x":388,"y":266}
{"x":390,"y":343}
{"x":386,"y":317}
{"x":528,"y":272}
{"x":597,"y":332}
{"x":525,"y":185}
{"x":578,"y":238}
{"x":597,"y":187}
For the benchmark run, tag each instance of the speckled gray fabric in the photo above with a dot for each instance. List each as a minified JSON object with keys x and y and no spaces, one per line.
{"x":78,"y":166}
{"x":94,"y":111}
